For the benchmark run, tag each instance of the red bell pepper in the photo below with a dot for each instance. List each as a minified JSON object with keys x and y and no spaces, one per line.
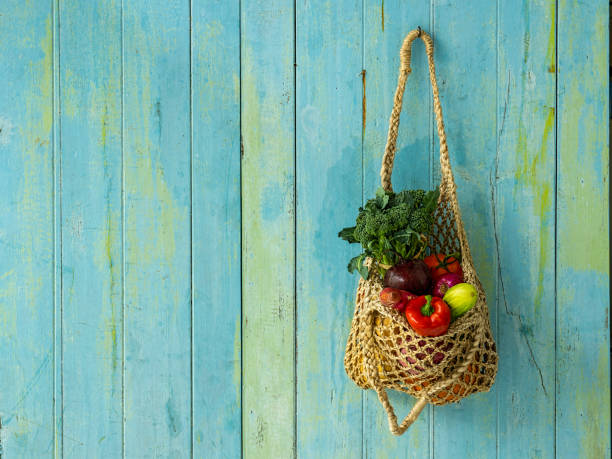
{"x":428,"y":316}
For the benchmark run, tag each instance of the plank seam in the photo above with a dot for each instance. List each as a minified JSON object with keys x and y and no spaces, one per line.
{"x":60,"y":210}
{"x":56,"y":234}
{"x":555,"y":218}
{"x":191,"y":293}
{"x":432,"y":17}
{"x":241,"y":155}
{"x":496,"y":256}
{"x":295,"y":209}
{"x":123,"y":208}
{"x":363,"y":394}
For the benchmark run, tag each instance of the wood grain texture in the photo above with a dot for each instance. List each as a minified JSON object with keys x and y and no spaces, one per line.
{"x":524,"y":225}
{"x":27,"y":254}
{"x":383,"y":37}
{"x":157,"y":170}
{"x":329,"y":92}
{"x":268,"y":230}
{"x":90,"y":82}
{"x":215,"y":42}
{"x":583,"y":304}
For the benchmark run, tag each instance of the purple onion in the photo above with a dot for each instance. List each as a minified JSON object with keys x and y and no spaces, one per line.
{"x":445,"y":282}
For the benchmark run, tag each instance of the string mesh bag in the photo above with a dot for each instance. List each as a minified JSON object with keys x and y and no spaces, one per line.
{"x":383,"y":351}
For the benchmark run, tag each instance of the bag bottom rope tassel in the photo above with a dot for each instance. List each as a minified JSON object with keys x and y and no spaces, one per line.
{"x":383,"y":350}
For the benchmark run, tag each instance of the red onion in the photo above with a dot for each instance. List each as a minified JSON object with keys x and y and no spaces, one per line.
{"x":445,"y":282}
{"x":413,"y":276}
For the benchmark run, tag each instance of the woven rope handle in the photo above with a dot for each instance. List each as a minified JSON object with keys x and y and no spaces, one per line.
{"x":405,"y":70}
{"x":447,"y":185}
{"x":371,"y":366}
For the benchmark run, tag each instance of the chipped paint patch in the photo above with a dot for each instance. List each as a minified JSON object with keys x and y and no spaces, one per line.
{"x":6,"y":130}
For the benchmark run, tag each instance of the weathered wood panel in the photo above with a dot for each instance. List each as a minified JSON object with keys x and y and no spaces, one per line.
{"x":268,"y":230}
{"x":215,"y":77}
{"x":582,"y":263}
{"x":329,"y":92}
{"x":90,"y":132}
{"x":27,"y":212}
{"x":157,"y":241}
{"x":523,"y":178}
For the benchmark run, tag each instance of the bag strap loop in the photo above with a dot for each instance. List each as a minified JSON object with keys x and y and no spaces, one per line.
{"x":448,"y":188}
{"x":405,"y":70}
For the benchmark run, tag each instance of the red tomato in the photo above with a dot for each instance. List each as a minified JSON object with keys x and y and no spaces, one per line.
{"x":440,"y":264}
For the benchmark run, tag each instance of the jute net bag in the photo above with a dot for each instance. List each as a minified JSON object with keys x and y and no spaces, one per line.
{"x":383,"y":351}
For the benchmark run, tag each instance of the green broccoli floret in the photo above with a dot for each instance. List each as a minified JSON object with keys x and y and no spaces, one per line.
{"x":360,"y":232}
{"x":379,"y":222}
{"x":421,"y":221}
{"x":417,"y":197}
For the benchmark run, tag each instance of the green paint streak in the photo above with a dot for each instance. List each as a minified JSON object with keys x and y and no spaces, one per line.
{"x":590,"y":400}
{"x":533,"y":172}
{"x":584,"y":161}
{"x":551,"y":51}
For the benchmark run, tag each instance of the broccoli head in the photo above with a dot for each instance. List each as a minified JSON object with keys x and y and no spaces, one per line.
{"x":421,"y":221}
{"x":417,"y":197}
{"x":379,"y":222}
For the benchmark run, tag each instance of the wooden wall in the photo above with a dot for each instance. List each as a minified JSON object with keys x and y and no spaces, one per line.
{"x":173,"y":175}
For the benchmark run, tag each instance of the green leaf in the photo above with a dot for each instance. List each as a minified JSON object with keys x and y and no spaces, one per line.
{"x":357,"y":263}
{"x":405,"y":236}
{"x":348,"y":234}
{"x":431,"y":200}
{"x":403,"y":197}
{"x":382,"y":198}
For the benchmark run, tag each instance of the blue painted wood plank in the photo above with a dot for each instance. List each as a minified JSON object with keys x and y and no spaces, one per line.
{"x":58,"y":399}
{"x":268,"y":260}
{"x":524,"y":221}
{"x":216,"y":229}
{"x":329,"y":92}
{"x":583,"y":276}
{"x":90,"y":81}
{"x":385,"y":26}
{"x":27,"y":254}
{"x":157,"y":163}
{"x":465,"y":43}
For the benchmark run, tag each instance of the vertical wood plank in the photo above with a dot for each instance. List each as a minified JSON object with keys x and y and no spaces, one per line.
{"x":90,"y":82}
{"x":385,"y":26}
{"x":329,"y":93}
{"x":465,"y":41}
{"x":583,"y":304}
{"x":216,"y":229}
{"x":523,"y":178}
{"x":268,"y":259}
{"x":157,"y":229}
{"x":26,"y":230}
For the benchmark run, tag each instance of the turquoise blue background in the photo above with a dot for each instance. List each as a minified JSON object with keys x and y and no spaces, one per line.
{"x":173,"y":175}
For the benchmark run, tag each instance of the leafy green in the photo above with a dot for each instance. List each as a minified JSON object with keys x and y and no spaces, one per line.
{"x":391,"y":227}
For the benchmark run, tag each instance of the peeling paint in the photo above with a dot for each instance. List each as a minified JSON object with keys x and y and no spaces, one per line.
{"x":6,"y":130}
